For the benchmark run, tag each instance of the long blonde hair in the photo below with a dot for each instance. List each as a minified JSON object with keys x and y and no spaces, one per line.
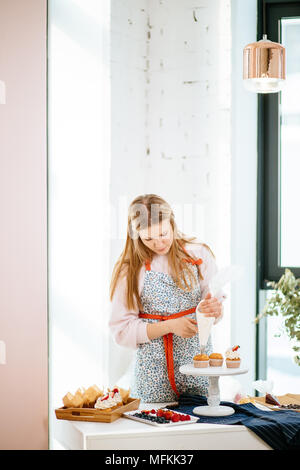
{"x":136,"y":253}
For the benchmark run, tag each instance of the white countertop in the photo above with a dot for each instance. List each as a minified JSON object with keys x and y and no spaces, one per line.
{"x":126,"y":434}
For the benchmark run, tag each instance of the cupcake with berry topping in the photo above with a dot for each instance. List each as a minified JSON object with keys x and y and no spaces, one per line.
{"x":232,"y":356}
{"x":110,"y":401}
{"x":201,"y":360}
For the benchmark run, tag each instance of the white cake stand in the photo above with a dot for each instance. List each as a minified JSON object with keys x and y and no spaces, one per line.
{"x":214,"y":408}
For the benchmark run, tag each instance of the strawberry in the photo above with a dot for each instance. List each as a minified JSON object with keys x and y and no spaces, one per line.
{"x":235,"y":348}
{"x":175,"y":418}
{"x":159,"y":413}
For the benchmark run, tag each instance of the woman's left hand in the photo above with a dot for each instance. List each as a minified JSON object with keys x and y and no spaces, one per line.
{"x":211,"y":307}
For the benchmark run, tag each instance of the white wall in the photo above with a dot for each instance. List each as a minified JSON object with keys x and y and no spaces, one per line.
{"x":79,"y":166}
{"x":243,"y":189}
{"x":188,"y":123}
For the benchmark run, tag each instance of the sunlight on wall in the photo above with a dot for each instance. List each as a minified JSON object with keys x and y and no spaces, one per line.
{"x":78,"y":179}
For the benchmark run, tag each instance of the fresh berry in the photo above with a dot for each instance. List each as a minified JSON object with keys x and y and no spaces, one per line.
{"x":162,"y":416}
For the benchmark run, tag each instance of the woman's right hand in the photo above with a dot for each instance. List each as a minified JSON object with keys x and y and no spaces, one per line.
{"x":184,"y":327}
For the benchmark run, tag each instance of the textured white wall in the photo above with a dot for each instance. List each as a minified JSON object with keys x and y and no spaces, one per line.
{"x":188,"y":113}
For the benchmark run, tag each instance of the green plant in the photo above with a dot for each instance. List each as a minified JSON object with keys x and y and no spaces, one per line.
{"x":285,"y":301}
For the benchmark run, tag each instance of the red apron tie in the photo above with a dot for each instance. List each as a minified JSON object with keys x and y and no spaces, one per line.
{"x":168,"y":339}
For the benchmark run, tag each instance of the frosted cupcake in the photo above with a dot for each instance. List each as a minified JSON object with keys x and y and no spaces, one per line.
{"x":110,"y":401}
{"x":232,"y":356}
{"x":216,"y":360}
{"x":201,"y":360}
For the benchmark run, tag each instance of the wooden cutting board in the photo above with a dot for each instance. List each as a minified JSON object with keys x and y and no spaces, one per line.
{"x":287,"y":399}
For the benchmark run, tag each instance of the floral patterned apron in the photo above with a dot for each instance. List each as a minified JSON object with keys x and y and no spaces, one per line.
{"x":156,"y":375}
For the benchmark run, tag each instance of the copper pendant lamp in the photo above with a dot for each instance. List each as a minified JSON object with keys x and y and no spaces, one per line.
{"x":264,"y":66}
{"x":264,"y":63}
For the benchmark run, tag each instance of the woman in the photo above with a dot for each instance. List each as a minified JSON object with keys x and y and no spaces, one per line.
{"x":157,"y":283}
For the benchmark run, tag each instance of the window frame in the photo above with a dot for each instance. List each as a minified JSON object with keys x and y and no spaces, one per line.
{"x":268,"y":182}
{"x":268,"y":210}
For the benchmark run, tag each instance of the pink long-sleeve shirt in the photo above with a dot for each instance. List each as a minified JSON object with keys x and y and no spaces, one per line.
{"x":125,"y":325}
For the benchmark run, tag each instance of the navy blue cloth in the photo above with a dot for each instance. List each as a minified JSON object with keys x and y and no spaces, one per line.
{"x":279,"y":429}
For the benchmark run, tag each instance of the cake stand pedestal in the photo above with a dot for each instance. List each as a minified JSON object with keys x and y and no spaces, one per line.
{"x":213,"y":373}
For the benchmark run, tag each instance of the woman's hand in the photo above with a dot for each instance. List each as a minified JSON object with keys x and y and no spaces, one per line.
{"x":184,"y":327}
{"x":211,"y":307}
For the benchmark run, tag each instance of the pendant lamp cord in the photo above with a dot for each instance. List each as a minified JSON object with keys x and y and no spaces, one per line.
{"x":264,"y":19}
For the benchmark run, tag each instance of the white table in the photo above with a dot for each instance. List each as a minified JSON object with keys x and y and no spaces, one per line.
{"x":126,"y":434}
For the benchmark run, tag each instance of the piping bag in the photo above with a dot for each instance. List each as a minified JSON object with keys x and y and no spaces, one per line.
{"x":221,"y":278}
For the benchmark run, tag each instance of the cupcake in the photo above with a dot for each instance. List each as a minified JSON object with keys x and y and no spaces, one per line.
{"x":110,"y":401}
{"x":216,"y":360}
{"x":201,"y":360}
{"x":233,"y":359}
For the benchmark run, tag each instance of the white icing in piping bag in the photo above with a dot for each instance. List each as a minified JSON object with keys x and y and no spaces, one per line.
{"x":223,"y":277}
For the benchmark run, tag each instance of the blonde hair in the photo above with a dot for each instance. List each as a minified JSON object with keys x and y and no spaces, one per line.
{"x":144,"y":211}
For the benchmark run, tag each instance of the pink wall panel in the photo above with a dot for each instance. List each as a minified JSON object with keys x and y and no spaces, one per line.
{"x":23,"y":221}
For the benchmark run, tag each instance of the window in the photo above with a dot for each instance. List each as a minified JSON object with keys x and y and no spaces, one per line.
{"x":278,"y":180}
